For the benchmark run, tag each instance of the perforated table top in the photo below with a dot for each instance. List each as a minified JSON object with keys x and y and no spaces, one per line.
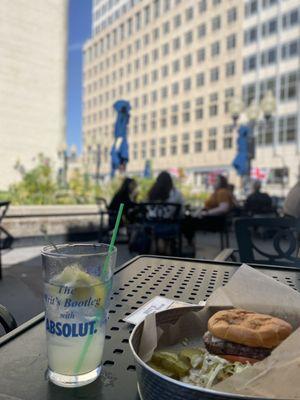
{"x":22,"y":353}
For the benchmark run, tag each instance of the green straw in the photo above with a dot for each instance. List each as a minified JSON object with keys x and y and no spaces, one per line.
{"x":106,"y":263}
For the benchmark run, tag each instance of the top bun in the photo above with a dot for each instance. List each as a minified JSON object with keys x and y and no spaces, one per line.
{"x":249,"y":328}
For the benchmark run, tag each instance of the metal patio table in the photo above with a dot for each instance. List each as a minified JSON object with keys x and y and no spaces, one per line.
{"x":23,"y":351}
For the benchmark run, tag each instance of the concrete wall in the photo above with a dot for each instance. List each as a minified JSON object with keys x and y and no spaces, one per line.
{"x":27,"y":226}
{"x":33,"y":40}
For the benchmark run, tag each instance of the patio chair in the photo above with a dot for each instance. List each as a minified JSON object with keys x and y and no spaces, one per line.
{"x":6,"y":238}
{"x":7,"y":320}
{"x":281,"y":248}
{"x":107,"y":222}
{"x":155,"y":221}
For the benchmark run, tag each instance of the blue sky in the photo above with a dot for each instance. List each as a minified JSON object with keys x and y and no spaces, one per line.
{"x":79,"y":31}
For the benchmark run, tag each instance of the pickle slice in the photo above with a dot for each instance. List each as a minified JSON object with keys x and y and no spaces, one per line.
{"x":170,"y":362}
{"x":193,"y":356}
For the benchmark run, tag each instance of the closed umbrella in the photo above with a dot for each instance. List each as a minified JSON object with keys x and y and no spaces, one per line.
{"x":120,"y":152}
{"x":148,"y":169}
{"x":241,"y":161}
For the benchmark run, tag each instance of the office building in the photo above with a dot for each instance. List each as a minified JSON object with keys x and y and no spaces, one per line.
{"x":271,"y":62}
{"x":33,"y":52}
{"x":178,"y":63}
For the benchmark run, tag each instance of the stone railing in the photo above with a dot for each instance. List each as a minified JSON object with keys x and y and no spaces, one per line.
{"x":28,"y":221}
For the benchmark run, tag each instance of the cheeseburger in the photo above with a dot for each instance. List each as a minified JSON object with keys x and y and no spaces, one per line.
{"x":244,"y":336}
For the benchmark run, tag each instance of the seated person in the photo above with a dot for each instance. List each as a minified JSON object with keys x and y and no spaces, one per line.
{"x":221,"y":201}
{"x":211,"y":218}
{"x":258,"y":202}
{"x":127,"y":195}
{"x":164,"y":191}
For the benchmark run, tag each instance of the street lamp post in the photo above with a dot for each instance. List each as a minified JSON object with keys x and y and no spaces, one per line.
{"x":98,"y":162}
{"x":63,"y":155}
{"x":253,"y":114}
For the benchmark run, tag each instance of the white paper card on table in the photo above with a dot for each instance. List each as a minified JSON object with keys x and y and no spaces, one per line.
{"x":158,"y":303}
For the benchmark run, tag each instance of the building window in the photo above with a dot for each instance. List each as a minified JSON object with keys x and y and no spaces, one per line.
{"x":216,"y":23}
{"x":185,"y":143}
{"x":251,"y":8}
{"x":175,"y":88}
{"x":176,"y":43}
{"x":200,"y":79}
{"x":250,"y":63}
{"x":215,"y":49}
{"x":165,"y":49}
{"x":288,"y":129}
{"x":155,"y":54}
{"x":198,"y":141}
{"x":213,"y":110}
{"x":229,"y":94}
{"x":265,"y":133}
{"x":166,"y":27}
{"x":156,"y":8}
{"x":189,"y":13}
{"x":176,"y":66}
{"x":153,"y":148}
{"x":155,"y":34}
{"x":188,"y":37}
{"x":227,"y":139}
{"x":188,"y":61}
{"x":290,"y":19}
{"x":187,"y":84}
{"x":154,"y":75}
{"x":231,"y":15}
{"x":165,"y":71}
{"x":167,"y":5}
{"x":269,"y":28}
{"x":231,"y":42}
{"x":138,"y":21}
{"x":154,"y":96}
{"x":212,"y":141}
{"x":147,"y":15}
{"x":162,"y":151}
{"x":250,"y":36}
{"x":186,"y":117}
{"x":202,"y":6}
{"x":173,"y":147}
{"x":201,"y":30}
{"x":201,"y":55}
{"x":177,"y":21}
{"x":214,"y":74}
{"x":290,"y":50}
{"x":145,"y":59}
{"x":230,"y":68}
{"x":289,"y":86}
{"x":164,"y":92}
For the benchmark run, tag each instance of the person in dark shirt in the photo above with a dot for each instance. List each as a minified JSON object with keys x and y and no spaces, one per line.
{"x":258,"y":202}
{"x":126,"y":194}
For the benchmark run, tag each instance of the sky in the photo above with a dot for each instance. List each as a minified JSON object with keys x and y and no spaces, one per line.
{"x":79,"y":29}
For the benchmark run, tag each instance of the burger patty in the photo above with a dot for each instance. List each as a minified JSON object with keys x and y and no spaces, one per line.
{"x":219,"y":346}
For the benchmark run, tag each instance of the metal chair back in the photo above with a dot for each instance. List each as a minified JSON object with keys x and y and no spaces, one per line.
{"x":7,"y":320}
{"x":281,"y":247}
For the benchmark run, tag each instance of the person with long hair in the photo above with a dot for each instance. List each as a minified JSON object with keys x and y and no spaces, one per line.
{"x":164,"y":191}
{"x":126,"y":194}
{"x":221,"y":200}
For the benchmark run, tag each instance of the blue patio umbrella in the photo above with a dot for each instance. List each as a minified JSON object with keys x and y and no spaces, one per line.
{"x":241,"y":161}
{"x":119,"y":152}
{"x":148,"y":169}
